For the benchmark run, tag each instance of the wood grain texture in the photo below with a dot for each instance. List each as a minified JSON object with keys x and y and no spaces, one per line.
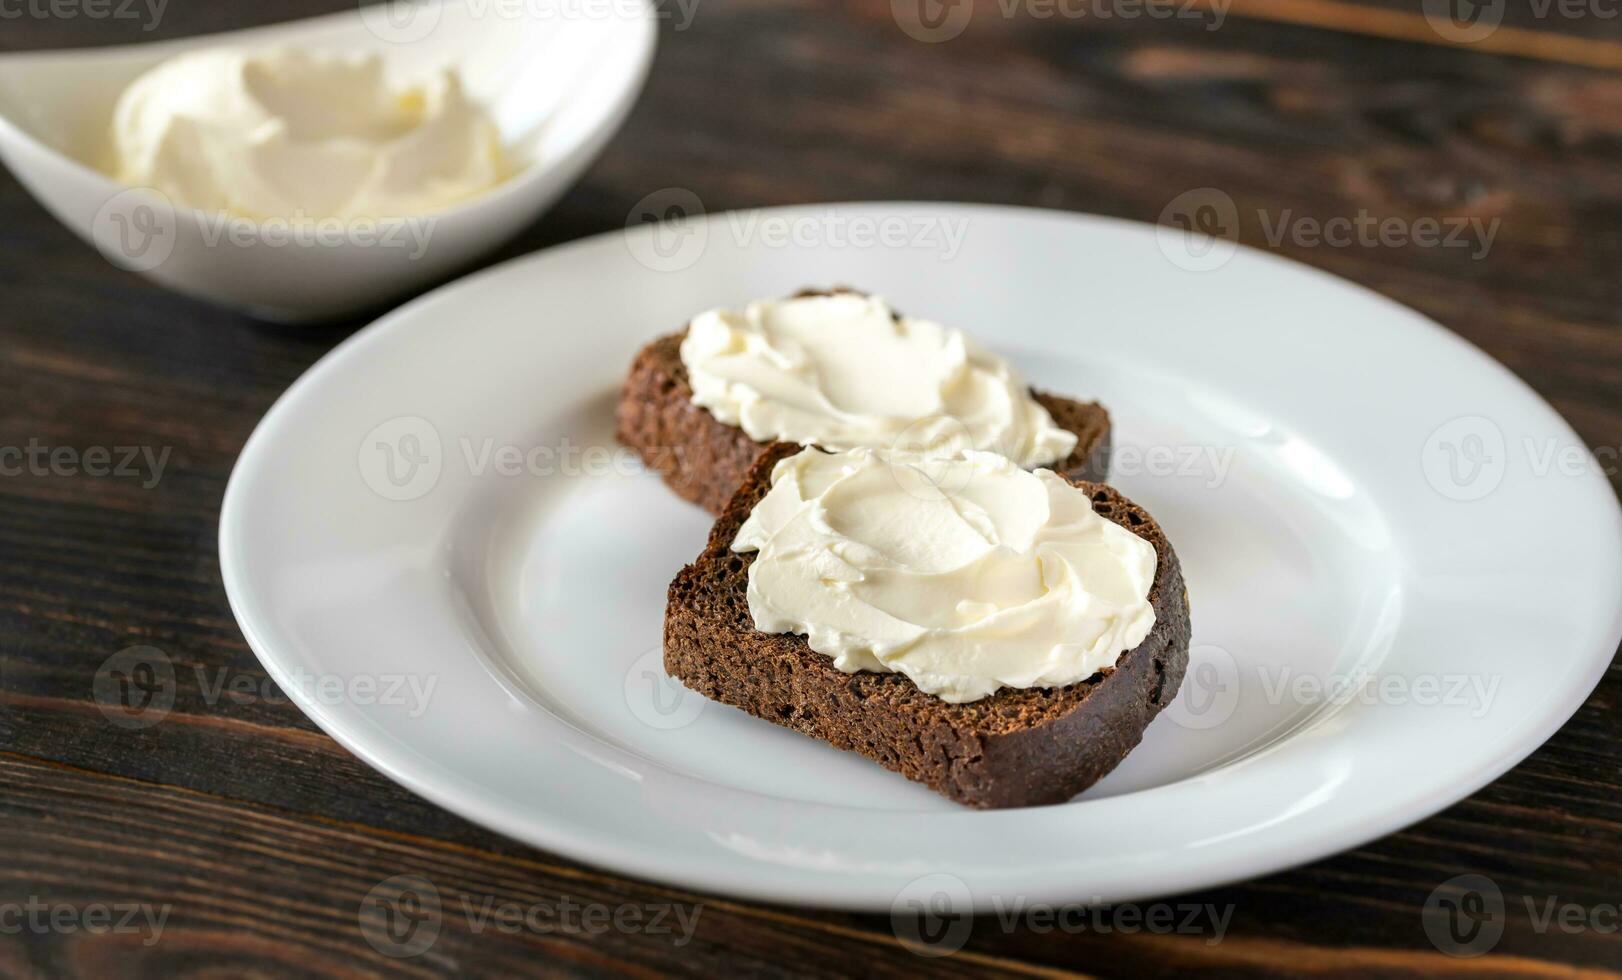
{"x":1576,"y":32}
{"x":1561,"y":28}
{"x":263,"y":837}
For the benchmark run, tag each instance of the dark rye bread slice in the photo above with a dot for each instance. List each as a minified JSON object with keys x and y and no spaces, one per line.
{"x":704,"y":460}
{"x":1013,"y":748}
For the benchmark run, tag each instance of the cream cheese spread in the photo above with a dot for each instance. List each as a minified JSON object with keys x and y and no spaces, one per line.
{"x":841,"y":371}
{"x":286,"y":134}
{"x":1009,"y":579}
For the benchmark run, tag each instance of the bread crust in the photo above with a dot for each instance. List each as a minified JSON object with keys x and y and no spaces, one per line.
{"x":704,"y":459}
{"x":1013,"y":748}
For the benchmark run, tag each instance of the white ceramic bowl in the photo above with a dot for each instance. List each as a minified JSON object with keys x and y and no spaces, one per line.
{"x":558,"y":85}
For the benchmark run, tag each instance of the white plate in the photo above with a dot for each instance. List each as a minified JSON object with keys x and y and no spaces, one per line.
{"x":1354,"y":492}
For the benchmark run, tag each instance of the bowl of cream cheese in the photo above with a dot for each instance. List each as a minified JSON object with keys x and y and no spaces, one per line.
{"x":318,"y":168}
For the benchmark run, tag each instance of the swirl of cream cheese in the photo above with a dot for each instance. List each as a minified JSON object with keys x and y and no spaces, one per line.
{"x":1009,"y":580}
{"x":841,"y":371}
{"x":286,"y":134}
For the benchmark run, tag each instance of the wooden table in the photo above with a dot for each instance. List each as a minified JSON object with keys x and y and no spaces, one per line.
{"x":258,"y":837}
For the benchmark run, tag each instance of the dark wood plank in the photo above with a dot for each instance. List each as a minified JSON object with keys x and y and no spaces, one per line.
{"x":1575,"y":31}
{"x":204,"y":878}
{"x":264,"y":834}
{"x":278,"y":894}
